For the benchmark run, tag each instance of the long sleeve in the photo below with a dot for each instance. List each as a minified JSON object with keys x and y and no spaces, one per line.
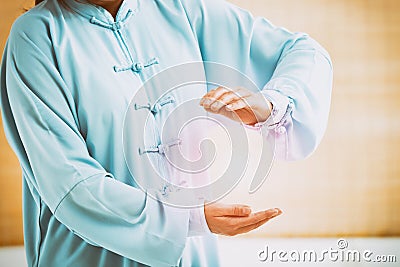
{"x":39,"y":117}
{"x":293,"y":71}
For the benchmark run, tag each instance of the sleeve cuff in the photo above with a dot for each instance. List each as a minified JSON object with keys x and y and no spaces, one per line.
{"x":281,"y":108}
{"x":280,"y":104}
{"x":197,"y":222}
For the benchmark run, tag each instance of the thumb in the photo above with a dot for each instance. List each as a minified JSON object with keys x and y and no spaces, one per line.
{"x":235,"y":210}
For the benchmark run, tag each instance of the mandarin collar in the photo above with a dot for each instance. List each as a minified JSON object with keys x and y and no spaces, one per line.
{"x":90,"y":11}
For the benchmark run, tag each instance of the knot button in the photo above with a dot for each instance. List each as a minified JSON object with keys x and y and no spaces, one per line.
{"x":117,"y":26}
{"x":138,"y":67}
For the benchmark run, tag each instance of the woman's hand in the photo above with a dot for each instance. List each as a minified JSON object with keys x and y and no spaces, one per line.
{"x":239,"y":104}
{"x":232,"y":220}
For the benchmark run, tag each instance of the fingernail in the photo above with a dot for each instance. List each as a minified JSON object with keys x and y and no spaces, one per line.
{"x":246,"y":210}
{"x":273,"y":212}
{"x":277,"y":211}
{"x":229,"y":107}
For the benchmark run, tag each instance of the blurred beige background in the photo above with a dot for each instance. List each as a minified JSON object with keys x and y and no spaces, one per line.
{"x":351,"y":185}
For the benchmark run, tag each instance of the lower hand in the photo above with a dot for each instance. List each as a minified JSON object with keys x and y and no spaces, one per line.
{"x":232,"y":220}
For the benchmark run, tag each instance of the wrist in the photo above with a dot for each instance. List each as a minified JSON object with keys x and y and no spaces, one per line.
{"x":262,"y":115}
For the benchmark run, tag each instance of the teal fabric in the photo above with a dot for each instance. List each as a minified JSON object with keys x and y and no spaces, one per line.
{"x":67,"y":76}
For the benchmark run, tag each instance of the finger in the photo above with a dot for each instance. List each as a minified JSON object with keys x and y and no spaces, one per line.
{"x":252,"y":227}
{"x":213,"y":91}
{"x":223,"y":100}
{"x":239,"y":104}
{"x":234,"y":210}
{"x":258,"y":217}
{"x":229,"y":97}
{"x":216,"y":106}
{"x":211,"y":96}
{"x":210,"y":110}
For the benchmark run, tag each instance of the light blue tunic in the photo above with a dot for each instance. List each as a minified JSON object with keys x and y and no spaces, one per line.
{"x":68,"y":74}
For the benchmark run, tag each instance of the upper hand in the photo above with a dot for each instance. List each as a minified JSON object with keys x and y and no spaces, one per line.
{"x":239,"y":104}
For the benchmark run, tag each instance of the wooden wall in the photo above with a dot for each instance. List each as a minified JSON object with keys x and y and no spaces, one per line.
{"x":350,"y":186}
{"x":10,"y":173}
